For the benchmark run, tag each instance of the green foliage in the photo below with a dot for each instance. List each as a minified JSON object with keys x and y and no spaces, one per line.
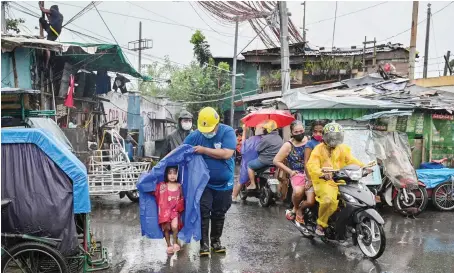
{"x":274,"y":79}
{"x":451,"y":63}
{"x":197,"y":82}
{"x":201,"y":48}
{"x":13,"y":24}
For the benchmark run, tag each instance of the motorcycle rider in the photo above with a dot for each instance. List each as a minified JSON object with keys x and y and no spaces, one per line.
{"x":177,"y":137}
{"x":267,"y":149}
{"x":331,"y":153}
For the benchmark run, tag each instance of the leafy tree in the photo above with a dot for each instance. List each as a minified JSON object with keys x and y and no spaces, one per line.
{"x":13,"y":24}
{"x":451,"y":64}
{"x":201,"y":48}
{"x":161,"y":74}
{"x":206,"y":85}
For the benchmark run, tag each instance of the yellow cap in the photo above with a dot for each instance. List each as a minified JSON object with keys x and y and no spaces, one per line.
{"x":270,"y":125}
{"x":208,"y":119}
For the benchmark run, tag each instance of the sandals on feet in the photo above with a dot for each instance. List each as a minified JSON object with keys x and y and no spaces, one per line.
{"x":290,"y":215}
{"x":170,"y":250}
{"x":320,"y":231}
{"x":299,"y":219}
{"x":176,"y":247}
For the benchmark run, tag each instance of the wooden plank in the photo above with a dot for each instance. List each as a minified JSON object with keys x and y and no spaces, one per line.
{"x":13,"y":59}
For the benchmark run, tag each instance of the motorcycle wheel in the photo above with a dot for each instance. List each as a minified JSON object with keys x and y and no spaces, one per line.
{"x":418,"y":199}
{"x":265,"y":197}
{"x":443,"y":196}
{"x":368,"y":233}
{"x":133,"y":196}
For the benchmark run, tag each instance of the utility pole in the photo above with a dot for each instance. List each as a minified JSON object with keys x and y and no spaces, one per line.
{"x":374,"y":60}
{"x":235,"y":48}
{"x":447,"y":65}
{"x":304,"y":21}
{"x":140,"y":45}
{"x":426,"y":51}
{"x":285,"y":55}
{"x":4,"y":16}
{"x":374,"y":57}
{"x":414,"y":31}
{"x":446,"y":57}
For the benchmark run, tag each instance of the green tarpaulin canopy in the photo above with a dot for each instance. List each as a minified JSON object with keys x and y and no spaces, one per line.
{"x":108,"y":57}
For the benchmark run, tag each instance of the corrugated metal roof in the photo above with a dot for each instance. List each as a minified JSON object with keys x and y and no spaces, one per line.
{"x":326,"y":51}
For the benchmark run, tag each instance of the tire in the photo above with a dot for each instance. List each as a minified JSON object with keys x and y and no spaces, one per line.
{"x":365,"y":238}
{"x":446,"y":204}
{"x":243,"y":193}
{"x":400,"y":207}
{"x":265,"y":197}
{"x":51,"y":259}
{"x":133,"y":195}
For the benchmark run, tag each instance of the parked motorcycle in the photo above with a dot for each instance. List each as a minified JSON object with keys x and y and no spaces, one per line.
{"x":267,"y":187}
{"x":356,"y":216}
{"x":407,"y":202}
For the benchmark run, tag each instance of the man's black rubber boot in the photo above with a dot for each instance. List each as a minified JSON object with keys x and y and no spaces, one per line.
{"x":204,"y":243}
{"x":217,"y":225}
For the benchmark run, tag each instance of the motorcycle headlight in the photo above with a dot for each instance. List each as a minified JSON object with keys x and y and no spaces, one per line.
{"x":349,"y":198}
{"x":354,"y":175}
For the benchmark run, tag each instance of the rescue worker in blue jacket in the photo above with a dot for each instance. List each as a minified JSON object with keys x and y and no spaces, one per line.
{"x":217,"y":143}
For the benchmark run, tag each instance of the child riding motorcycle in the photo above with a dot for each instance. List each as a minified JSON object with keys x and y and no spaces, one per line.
{"x":331,"y":153}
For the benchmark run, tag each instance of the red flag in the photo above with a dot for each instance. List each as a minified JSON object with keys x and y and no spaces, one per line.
{"x":69,"y":101}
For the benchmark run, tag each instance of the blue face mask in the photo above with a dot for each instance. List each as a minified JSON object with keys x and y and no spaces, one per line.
{"x":209,"y":135}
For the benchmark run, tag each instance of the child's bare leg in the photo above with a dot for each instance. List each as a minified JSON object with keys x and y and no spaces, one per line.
{"x":167,"y":234}
{"x":174,"y":225}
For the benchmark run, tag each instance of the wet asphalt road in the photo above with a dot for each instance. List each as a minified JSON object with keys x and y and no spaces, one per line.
{"x":262,"y":240}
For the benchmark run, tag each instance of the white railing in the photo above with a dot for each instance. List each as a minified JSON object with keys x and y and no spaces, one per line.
{"x":110,"y":172}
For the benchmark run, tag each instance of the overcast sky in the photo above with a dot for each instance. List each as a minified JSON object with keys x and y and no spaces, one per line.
{"x":171,"y":24}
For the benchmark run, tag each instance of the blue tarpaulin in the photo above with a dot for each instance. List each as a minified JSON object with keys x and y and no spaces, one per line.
{"x":193,"y":174}
{"x":60,"y":155}
{"x":434,"y":177}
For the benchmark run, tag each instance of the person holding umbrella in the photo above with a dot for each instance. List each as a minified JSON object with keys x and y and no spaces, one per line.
{"x":267,"y":149}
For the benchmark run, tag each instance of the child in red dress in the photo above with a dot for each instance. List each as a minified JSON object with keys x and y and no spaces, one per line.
{"x":169,"y":198}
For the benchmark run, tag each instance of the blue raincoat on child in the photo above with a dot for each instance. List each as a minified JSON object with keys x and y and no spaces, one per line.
{"x":193,"y":175}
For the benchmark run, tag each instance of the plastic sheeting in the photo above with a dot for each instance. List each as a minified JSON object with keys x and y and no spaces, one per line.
{"x":41,"y":194}
{"x":433,"y":177}
{"x":295,"y":99}
{"x":52,"y":127}
{"x":59,"y":154}
{"x":248,"y":153}
{"x":393,"y":150}
{"x":193,"y":175}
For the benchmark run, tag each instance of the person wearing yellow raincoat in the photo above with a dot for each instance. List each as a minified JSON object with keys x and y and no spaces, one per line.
{"x":331,"y":153}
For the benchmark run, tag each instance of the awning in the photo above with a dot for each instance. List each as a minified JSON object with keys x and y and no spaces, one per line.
{"x":107,"y":57}
{"x":9,"y":43}
{"x":298,"y":100}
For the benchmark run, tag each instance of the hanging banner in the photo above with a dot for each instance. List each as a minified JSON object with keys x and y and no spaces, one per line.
{"x":443,"y":117}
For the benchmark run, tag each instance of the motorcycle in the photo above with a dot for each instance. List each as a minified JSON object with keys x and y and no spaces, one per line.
{"x":267,"y":187}
{"x":407,"y":202}
{"x":356,"y":217}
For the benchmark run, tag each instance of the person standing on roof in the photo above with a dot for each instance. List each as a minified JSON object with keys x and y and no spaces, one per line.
{"x":53,"y":27}
{"x":177,"y":137}
{"x":216,"y":142}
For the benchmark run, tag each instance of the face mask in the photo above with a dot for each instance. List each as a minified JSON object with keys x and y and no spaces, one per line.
{"x":319,"y":138}
{"x":186,"y":126}
{"x":209,"y":135}
{"x":298,"y":137}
